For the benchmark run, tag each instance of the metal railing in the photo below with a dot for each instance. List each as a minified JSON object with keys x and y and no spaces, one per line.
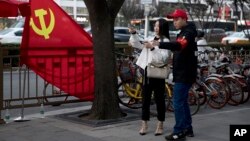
{"x":38,"y":91}
{"x":17,"y":93}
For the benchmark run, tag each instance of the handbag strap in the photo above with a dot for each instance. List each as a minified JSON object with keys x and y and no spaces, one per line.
{"x":158,"y":66}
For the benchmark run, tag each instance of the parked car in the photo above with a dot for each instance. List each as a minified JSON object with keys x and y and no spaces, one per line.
{"x":151,"y":34}
{"x":121,"y":34}
{"x":214,"y":34}
{"x":11,"y":35}
{"x":88,"y":30}
{"x":229,"y":33}
{"x":236,"y":38}
{"x":18,"y":24}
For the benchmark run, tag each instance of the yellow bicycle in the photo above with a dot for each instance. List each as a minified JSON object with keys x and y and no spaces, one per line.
{"x":130,"y":86}
{"x":130,"y":82}
{"x":129,"y":94}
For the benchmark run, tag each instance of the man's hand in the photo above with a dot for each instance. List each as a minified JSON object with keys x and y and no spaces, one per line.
{"x":148,"y":45}
{"x":155,"y":43}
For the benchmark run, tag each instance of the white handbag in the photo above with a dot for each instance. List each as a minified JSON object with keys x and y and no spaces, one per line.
{"x":157,"y":71}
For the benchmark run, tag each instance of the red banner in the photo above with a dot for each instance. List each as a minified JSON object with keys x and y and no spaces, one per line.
{"x":58,"y":49}
{"x":11,"y":8}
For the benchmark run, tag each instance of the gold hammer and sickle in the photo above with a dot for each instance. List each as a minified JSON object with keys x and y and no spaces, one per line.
{"x":44,"y":31}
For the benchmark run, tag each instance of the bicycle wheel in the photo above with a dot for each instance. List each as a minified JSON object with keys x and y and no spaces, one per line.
{"x":235,"y":91}
{"x":168,"y":98}
{"x":200,"y":92}
{"x":246,"y":90}
{"x":217,"y":93}
{"x":193,"y":101}
{"x":246,"y":94}
{"x":129,"y":94}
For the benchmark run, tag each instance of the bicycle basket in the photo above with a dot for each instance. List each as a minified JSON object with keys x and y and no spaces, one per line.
{"x":126,"y":71}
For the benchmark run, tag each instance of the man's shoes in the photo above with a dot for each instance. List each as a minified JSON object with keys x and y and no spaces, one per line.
{"x":189,"y":132}
{"x":176,"y":137}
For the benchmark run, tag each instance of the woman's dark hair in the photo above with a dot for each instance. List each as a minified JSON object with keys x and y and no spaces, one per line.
{"x":163,"y":28}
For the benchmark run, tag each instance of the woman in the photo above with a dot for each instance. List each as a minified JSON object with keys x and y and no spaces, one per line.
{"x":155,"y":55}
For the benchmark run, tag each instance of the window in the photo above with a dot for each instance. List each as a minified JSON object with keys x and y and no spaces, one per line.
{"x":81,"y":10}
{"x":214,"y":31}
{"x":5,"y":31}
{"x":68,"y":10}
{"x":217,"y":31}
{"x":121,"y":31}
{"x":19,"y":33}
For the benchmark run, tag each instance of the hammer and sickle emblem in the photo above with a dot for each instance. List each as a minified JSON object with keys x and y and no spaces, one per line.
{"x":44,"y":31}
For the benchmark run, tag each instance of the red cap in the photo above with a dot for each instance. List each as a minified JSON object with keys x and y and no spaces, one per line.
{"x":178,"y":13}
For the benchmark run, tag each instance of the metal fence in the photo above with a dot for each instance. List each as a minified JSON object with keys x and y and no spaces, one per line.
{"x":14,"y":93}
{"x":235,"y":51}
{"x":21,"y":87}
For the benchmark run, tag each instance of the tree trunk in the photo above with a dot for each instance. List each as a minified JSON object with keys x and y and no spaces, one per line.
{"x":102,"y":15}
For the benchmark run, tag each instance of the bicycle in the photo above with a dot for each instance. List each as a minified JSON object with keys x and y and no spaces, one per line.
{"x":231,"y":82}
{"x":210,"y":89}
{"x":230,"y":73}
{"x":193,"y":99}
{"x":130,"y":85}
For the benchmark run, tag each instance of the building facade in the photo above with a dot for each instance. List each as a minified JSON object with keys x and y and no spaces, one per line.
{"x":76,"y":9}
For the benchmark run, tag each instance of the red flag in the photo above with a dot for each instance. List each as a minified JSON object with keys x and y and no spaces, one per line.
{"x":58,"y":49}
{"x":11,"y":8}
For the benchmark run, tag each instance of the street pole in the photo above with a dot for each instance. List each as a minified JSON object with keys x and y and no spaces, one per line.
{"x":146,"y":13}
{"x":1,"y":84}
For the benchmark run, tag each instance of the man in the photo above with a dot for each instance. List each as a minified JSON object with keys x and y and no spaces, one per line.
{"x":184,"y":72}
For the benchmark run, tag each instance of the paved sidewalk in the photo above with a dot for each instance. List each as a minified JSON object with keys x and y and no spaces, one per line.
{"x":209,"y":125}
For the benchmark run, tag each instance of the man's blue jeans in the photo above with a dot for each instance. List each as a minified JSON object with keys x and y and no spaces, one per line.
{"x":181,"y":108}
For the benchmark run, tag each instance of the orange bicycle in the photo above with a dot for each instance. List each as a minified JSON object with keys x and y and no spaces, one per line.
{"x":193,"y":100}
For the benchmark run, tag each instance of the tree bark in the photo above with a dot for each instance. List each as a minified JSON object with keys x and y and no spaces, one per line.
{"x":102,"y":14}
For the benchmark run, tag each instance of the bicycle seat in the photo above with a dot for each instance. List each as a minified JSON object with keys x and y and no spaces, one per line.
{"x":219,"y":65}
{"x":202,"y":65}
{"x":215,"y":75}
{"x":238,"y":76}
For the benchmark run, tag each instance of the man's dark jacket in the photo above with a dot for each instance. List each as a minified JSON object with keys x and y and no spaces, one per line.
{"x":184,"y":54}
